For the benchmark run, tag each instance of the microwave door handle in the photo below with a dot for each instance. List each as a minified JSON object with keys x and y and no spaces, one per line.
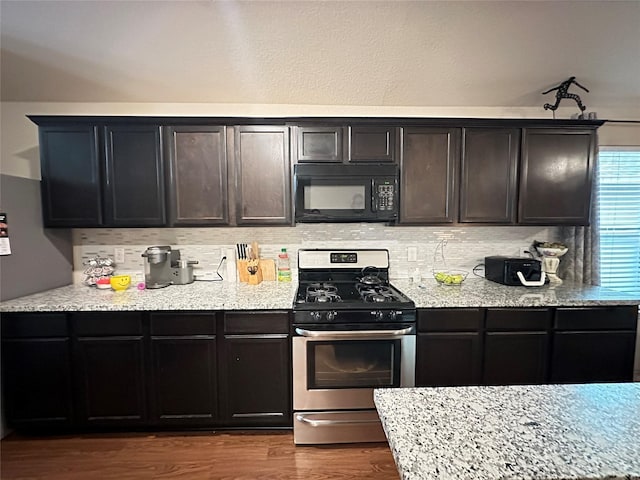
{"x":374,"y":200}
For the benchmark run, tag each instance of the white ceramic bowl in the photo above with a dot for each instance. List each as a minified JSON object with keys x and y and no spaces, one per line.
{"x":552,"y":252}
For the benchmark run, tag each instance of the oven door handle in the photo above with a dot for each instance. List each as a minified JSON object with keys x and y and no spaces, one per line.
{"x":329,"y":423}
{"x":354,"y":333}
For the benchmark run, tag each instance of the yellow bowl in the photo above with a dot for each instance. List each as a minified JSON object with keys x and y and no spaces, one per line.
{"x":120,"y":282}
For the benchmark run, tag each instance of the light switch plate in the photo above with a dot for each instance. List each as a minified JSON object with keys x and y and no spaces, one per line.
{"x":412,"y":254}
{"x":118,"y":253}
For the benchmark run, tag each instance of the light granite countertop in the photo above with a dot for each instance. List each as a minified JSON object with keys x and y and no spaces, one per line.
{"x":199,"y":295}
{"x":545,"y":432}
{"x":478,"y":292}
{"x":203,"y":295}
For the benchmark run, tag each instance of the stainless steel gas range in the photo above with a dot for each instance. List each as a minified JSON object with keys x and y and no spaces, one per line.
{"x":353,"y":332}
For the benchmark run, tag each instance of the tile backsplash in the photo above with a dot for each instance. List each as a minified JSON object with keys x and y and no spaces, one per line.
{"x":466,"y":246}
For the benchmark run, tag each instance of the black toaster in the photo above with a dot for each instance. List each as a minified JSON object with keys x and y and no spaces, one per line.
{"x":505,"y":269}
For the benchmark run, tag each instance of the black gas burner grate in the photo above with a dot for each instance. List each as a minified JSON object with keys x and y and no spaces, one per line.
{"x":322,"y":292}
{"x":376,"y":293}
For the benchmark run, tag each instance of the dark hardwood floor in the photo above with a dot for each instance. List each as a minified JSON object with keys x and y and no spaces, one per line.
{"x":189,"y":456}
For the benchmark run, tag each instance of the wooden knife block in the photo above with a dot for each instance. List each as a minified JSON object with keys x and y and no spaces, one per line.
{"x":266,"y":271}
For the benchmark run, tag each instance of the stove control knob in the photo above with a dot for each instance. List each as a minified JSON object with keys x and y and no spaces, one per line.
{"x":378,"y":314}
{"x":331,"y":315}
{"x":317,"y":316}
{"x":393,"y":315}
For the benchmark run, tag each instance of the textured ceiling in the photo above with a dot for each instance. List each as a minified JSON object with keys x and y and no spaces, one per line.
{"x":384,"y":53}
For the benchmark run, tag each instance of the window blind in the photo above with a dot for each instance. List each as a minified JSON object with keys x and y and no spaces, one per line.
{"x":618,"y":188}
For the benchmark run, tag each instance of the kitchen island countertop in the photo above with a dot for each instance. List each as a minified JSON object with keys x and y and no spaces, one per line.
{"x":545,"y":432}
{"x":200,"y":295}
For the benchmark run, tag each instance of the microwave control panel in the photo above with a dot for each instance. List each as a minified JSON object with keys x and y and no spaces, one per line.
{"x":385,"y":196}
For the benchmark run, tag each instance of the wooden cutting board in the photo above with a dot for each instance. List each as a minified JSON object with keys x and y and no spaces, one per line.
{"x":268,"y":267}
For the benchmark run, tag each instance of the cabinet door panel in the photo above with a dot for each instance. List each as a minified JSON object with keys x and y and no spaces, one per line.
{"x":488,"y":180}
{"x":428,"y":171}
{"x":555,"y":179}
{"x":262,"y":175}
{"x":256,"y":380}
{"x":448,"y":359}
{"x":134,"y":176}
{"x":111,"y":382}
{"x":450,"y":319}
{"x":319,"y":144}
{"x":515,"y":358}
{"x":198,"y":175}
{"x":605,"y":356}
{"x":71,"y":179}
{"x":372,"y":144}
{"x":37,"y":382}
{"x":184,"y":379}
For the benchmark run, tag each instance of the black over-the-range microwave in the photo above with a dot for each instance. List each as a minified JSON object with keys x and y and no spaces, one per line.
{"x":346,"y":192}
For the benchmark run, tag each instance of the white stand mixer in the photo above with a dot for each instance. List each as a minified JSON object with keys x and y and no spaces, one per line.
{"x":551,"y":261}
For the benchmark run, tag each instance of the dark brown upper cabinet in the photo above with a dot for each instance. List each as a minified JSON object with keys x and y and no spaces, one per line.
{"x":71,"y":178}
{"x":318,"y":144}
{"x":429,"y":163}
{"x":372,"y":144}
{"x":262,"y":175}
{"x":488,"y":182}
{"x":556,"y":176}
{"x":134,"y":176}
{"x":102,"y":177}
{"x":197,"y":182}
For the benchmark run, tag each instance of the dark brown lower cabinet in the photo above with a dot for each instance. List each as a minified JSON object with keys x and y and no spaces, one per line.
{"x":516,"y":346}
{"x":255,"y":386}
{"x":36,"y":370}
{"x":449,"y":347}
{"x":184,"y":369}
{"x":513,"y":358}
{"x":37,"y":382}
{"x":110,"y":367}
{"x":111,"y":381}
{"x":600,"y":356}
{"x":448,"y":359}
{"x":594,"y":344}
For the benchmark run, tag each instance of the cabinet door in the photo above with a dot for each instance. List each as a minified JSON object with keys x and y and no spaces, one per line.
{"x":555,"y":178}
{"x":319,"y":144}
{"x":448,"y":359}
{"x":263,"y":194}
{"x":488,"y":175}
{"x":71,"y":179}
{"x":594,"y":356}
{"x":111,"y":386}
{"x":134,"y":176}
{"x":36,"y":375}
{"x":197,"y":175}
{"x":184,"y":380}
{"x":515,"y":358}
{"x":372,"y":144}
{"x":255,"y":380}
{"x":429,"y":165}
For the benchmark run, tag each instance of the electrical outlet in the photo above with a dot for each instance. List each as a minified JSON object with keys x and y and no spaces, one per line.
{"x":412,"y":254}
{"x":118,"y":253}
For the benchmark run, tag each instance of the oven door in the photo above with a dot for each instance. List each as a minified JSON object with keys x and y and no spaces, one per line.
{"x":338,"y":370}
